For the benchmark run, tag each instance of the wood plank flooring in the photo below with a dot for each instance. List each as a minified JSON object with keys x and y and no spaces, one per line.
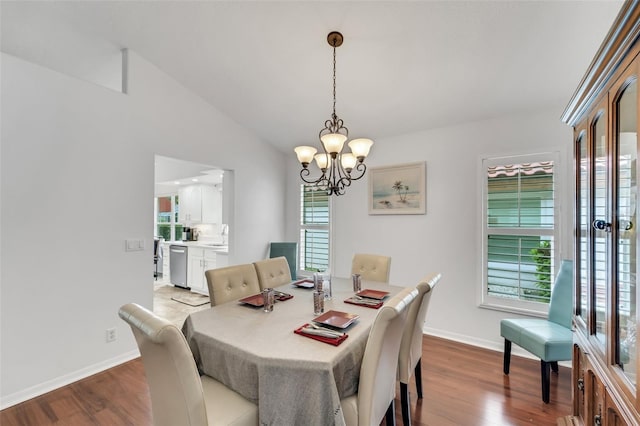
{"x":463,"y":385}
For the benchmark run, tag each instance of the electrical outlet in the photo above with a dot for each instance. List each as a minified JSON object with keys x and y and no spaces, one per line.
{"x":111,"y":335}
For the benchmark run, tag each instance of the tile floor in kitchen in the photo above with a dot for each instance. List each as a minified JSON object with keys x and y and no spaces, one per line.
{"x":173,"y":311}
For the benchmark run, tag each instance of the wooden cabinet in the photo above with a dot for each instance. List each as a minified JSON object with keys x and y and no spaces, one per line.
{"x":199,"y":261}
{"x":199,"y":204}
{"x":604,"y":113}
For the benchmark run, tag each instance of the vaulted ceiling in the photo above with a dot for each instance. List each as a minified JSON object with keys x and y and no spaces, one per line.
{"x":405,"y":66}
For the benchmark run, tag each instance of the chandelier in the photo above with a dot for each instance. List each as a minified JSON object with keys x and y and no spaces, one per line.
{"x":338,"y":168}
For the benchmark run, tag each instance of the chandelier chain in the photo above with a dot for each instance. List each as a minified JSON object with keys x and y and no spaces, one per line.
{"x":334,"y":78}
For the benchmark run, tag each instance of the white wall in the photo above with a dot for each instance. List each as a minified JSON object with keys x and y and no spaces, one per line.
{"x":76,"y":181}
{"x":447,"y":238}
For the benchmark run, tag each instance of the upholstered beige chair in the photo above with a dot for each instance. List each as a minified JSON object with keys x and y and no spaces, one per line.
{"x":371,"y":267}
{"x":231,"y":283}
{"x":376,"y":390}
{"x":411,"y":345}
{"x":179,"y":396}
{"x":273,"y":272}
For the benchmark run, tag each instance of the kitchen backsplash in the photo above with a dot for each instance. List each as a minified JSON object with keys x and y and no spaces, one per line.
{"x":210,"y":232}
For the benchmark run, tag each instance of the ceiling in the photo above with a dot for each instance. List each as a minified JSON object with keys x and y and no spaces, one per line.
{"x":171,"y":173}
{"x":405,"y":66}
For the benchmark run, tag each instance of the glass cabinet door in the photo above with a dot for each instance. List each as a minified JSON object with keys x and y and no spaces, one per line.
{"x":626,"y":153}
{"x":583,"y":168}
{"x":601,"y":226}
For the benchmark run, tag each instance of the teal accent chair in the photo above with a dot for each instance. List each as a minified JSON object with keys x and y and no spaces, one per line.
{"x":288,"y":250}
{"x":550,"y":339}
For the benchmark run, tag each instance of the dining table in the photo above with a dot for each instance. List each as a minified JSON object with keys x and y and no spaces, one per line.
{"x":294,"y":379}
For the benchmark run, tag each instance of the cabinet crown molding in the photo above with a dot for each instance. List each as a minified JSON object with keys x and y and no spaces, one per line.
{"x":622,"y":36}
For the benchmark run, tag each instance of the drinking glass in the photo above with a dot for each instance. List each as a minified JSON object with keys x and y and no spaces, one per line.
{"x":326,"y":285}
{"x":318,"y":302}
{"x":268,"y":298}
{"x":317,"y":282}
{"x":357,"y":282}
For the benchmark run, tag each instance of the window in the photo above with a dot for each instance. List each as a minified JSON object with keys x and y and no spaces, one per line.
{"x":520,"y":217}
{"x":167,"y":225}
{"x":314,"y":229}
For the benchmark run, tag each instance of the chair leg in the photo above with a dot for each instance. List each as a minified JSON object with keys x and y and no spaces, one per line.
{"x":554,"y":366}
{"x":545,"y":372}
{"x":404,"y":402}
{"x":507,"y":356}
{"x":391,"y":414}
{"x":418,"y":374}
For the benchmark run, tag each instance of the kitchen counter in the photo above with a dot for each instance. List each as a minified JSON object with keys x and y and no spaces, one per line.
{"x":217,"y":247}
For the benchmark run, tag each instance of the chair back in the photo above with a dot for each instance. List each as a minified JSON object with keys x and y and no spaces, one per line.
{"x":371,"y":267}
{"x":231,"y":283}
{"x":377,"y":384}
{"x":273,"y":272}
{"x":411,"y":346}
{"x":288,"y":250}
{"x":174,"y":383}
{"x":561,"y":304}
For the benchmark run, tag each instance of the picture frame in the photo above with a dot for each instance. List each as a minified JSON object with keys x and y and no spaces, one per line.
{"x":398,"y":189}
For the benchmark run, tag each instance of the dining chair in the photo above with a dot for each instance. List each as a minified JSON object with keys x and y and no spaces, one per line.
{"x":377,"y":386}
{"x":232,"y":283}
{"x":549,"y":339}
{"x":409,"y":360}
{"x":371,"y":267}
{"x":288,"y":250}
{"x":273,"y":272}
{"x":179,"y":396}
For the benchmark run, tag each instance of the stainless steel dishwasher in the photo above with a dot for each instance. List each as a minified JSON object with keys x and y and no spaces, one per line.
{"x":178,"y":265}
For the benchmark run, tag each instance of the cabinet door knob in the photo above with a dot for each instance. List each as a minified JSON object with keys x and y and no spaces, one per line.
{"x":581,"y":385}
{"x":597,"y":420}
{"x":601,"y":225}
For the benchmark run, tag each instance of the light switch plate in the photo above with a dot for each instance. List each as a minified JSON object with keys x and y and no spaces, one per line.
{"x":134,"y":245}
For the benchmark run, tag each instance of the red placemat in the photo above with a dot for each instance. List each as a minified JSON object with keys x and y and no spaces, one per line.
{"x":366,"y":305}
{"x":334,"y":342}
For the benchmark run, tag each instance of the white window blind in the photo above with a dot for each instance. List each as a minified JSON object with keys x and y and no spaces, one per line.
{"x":520,"y":217}
{"x":314,"y":229}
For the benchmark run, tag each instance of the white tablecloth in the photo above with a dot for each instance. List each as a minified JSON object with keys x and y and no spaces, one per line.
{"x":294,"y":380}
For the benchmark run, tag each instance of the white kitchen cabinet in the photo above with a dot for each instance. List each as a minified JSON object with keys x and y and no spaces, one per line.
{"x":199,"y":204}
{"x":199,"y":261}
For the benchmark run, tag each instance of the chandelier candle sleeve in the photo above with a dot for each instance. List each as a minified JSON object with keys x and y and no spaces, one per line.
{"x":337,"y":168}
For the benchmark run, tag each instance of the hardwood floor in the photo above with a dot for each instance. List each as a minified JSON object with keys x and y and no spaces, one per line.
{"x":463,"y":385}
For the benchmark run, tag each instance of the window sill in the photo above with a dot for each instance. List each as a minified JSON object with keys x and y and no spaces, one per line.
{"x":520,"y":310}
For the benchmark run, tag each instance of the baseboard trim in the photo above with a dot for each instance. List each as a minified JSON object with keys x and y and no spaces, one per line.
{"x":486,"y":344}
{"x":58,"y":382}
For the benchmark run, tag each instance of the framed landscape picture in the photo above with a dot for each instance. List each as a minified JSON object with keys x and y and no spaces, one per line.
{"x":399,"y":189}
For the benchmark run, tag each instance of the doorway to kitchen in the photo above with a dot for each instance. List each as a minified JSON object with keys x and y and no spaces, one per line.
{"x":192,"y":226}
